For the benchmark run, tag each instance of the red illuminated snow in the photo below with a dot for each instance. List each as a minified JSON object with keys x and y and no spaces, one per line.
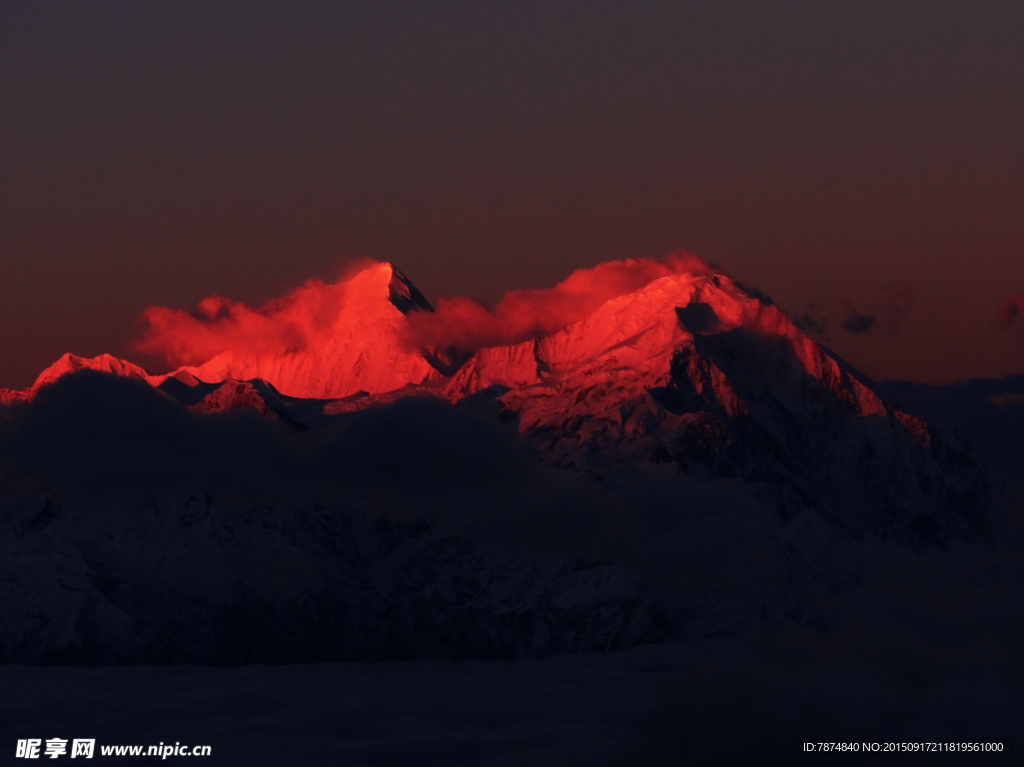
{"x":592,"y":382}
{"x":69,"y":363}
{"x":638,"y":333}
{"x":522,"y":315}
{"x":319,"y":341}
{"x":594,"y":346}
{"x":372,"y":332}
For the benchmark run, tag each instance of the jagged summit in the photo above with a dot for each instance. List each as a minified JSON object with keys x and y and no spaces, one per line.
{"x":402,"y":293}
{"x":354,"y":341}
{"x":637,"y":334}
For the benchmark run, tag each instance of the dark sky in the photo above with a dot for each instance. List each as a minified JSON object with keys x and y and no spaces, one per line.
{"x":866,"y":157}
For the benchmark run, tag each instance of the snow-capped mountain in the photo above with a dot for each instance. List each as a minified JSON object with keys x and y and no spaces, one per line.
{"x":359,"y":345}
{"x":690,"y":382}
{"x":694,"y":372}
{"x":361,"y":350}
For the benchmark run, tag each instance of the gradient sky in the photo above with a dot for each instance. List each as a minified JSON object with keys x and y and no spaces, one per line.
{"x":849,"y":159}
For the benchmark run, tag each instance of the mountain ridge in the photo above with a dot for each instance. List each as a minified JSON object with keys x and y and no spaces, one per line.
{"x":674,"y":426}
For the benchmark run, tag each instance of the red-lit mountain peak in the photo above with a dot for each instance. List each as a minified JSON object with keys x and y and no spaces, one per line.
{"x":691,"y":371}
{"x":334,"y":340}
{"x":70,"y":363}
{"x":104,"y":363}
{"x":632,"y":340}
{"x":636,"y":332}
{"x":694,"y":372}
{"x":320,"y":341}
